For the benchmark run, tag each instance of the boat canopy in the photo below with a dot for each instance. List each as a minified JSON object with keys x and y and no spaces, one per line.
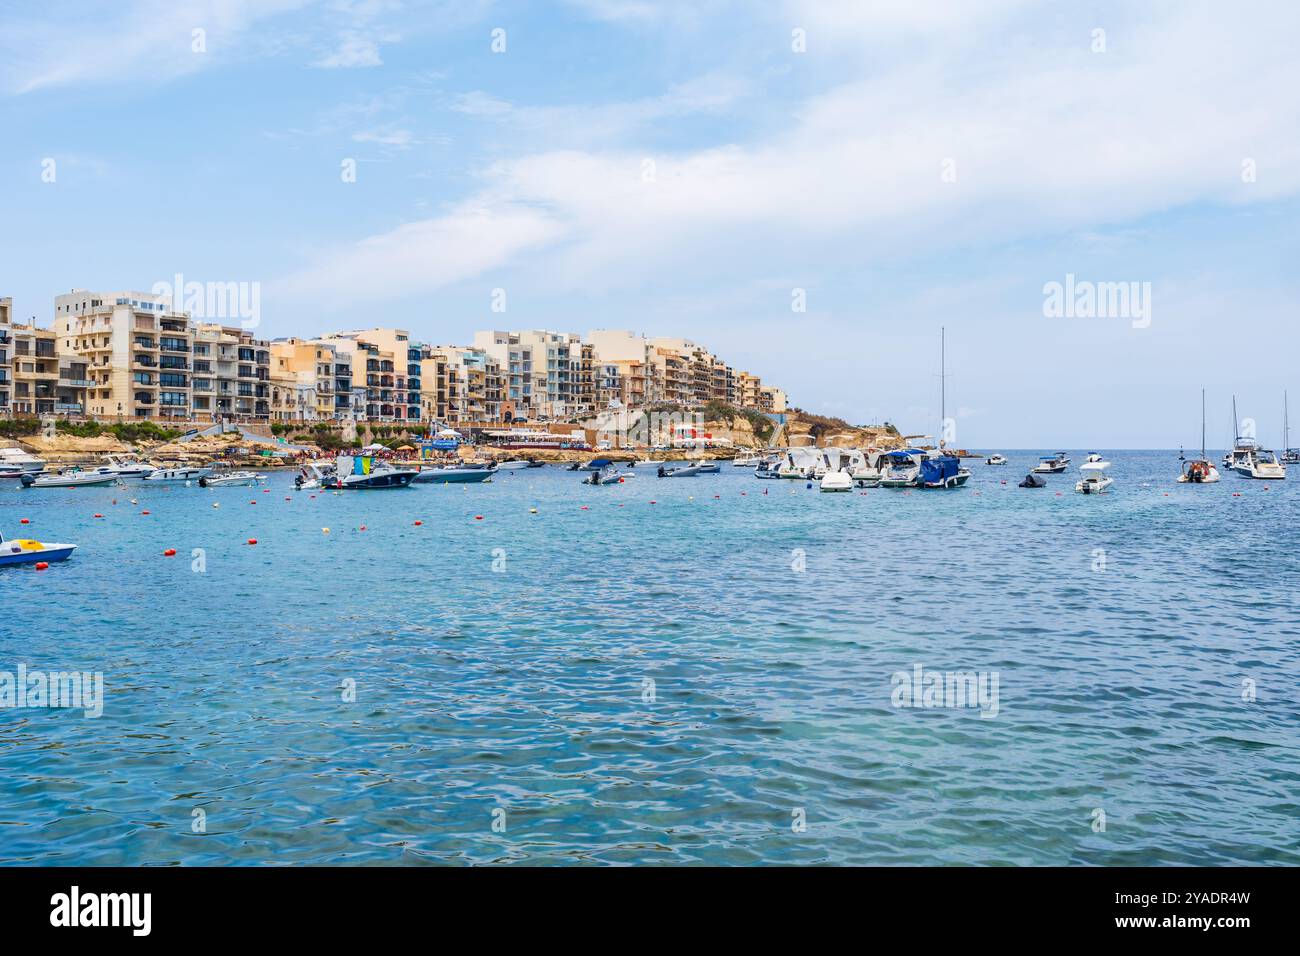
{"x":1097,"y":466}
{"x":935,"y":470}
{"x":908,"y":453}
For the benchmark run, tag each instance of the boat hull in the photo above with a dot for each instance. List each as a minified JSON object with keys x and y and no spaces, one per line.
{"x":386,"y":479}
{"x":50,"y":552}
{"x":452,"y":476}
{"x":57,"y":481}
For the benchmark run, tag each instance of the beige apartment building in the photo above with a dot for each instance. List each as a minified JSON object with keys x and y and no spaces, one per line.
{"x":6,"y":354}
{"x":135,"y":349}
{"x":230,"y":374}
{"x":311,"y":380}
{"x":541,"y":371}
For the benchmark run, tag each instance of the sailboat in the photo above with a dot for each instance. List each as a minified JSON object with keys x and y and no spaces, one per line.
{"x":1290,"y":456}
{"x":1249,"y":460}
{"x":945,"y":469}
{"x":1200,"y":471}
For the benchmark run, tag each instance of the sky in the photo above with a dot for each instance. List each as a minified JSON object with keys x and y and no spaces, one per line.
{"x":701,"y":169}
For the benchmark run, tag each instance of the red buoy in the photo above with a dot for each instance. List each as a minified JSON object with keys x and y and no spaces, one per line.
{"x":42,"y":565}
{"x":169,"y":553}
{"x":252,"y":541}
{"x":418,"y":523}
{"x":24,"y":521}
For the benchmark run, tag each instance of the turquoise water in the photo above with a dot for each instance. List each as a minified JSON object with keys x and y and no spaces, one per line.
{"x":503,"y":707}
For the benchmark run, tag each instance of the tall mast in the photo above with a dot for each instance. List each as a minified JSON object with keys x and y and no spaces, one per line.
{"x":1286,"y":425}
{"x":1203,"y":424}
{"x":943,"y":382}
{"x":1236,"y":435}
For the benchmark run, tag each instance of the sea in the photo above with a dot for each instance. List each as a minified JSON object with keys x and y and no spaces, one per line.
{"x":714,"y":670}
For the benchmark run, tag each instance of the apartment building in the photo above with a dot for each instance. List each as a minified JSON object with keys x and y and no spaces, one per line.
{"x":42,"y":384}
{"x":389,"y":365}
{"x":6,"y":353}
{"x":135,"y":351}
{"x":311,"y":380}
{"x":462,"y":385}
{"x":230,"y":374}
{"x":541,"y":371}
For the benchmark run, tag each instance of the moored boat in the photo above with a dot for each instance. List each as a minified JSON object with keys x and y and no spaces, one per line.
{"x":14,"y":459}
{"x":1200,"y":471}
{"x":1094,"y":480}
{"x":1052,"y":464}
{"x":996,"y":459}
{"x":72,"y":478}
{"x":230,"y":479}
{"x":362,"y":472}
{"x":453,"y":474}
{"x":28,"y":551}
{"x":184,"y":473}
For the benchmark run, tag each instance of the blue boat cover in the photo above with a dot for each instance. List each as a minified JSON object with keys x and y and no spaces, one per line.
{"x":936,"y":470}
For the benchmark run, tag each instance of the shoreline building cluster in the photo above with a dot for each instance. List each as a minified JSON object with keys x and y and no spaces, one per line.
{"x":130,"y":356}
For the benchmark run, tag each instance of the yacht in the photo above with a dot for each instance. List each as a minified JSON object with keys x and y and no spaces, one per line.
{"x":996,"y":459}
{"x":224,"y":479}
{"x":72,"y":478}
{"x":125,"y":467}
{"x":14,"y":459}
{"x":1094,"y":480}
{"x":1200,"y":471}
{"x":1052,"y":464}
{"x":1260,"y":463}
{"x":185,"y":473}
{"x":899,"y":469}
{"x":453,"y":474}
{"x":362,"y":472}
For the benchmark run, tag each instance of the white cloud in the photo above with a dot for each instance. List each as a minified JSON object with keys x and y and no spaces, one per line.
{"x":353,"y":51}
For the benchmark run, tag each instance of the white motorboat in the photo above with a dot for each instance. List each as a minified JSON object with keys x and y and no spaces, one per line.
{"x":1200,"y":471}
{"x":899,"y":469}
{"x":746,"y":461}
{"x":185,"y":473}
{"x":15,"y":460}
{"x":316,"y":474}
{"x":801,"y":463}
{"x":125,"y":467}
{"x":72,"y":478}
{"x":1094,"y":480}
{"x":836,"y":481}
{"x":454,"y":474}
{"x":996,"y":459}
{"x":1052,"y":464}
{"x":224,"y":479}
{"x":685,"y":471}
{"x":767,"y":468}
{"x":519,"y":465}
{"x":1260,"y":463}
{"x":27,"y":551}
{"x":606,"y":476}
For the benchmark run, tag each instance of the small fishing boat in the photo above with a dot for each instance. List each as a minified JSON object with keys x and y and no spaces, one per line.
{"x":686,"y":471}
{"x":606,"y":476}
{"x":1052,"y":464}
{"x":72,"y":478}
{"x":1094,"y":480}
{"x":186,"y":473}
{"x":27,"y":551}
{"x":1200,"y":471}
{"x":996,"y":459}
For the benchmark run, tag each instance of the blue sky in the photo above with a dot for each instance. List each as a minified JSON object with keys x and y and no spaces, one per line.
{"x":773,"y":170}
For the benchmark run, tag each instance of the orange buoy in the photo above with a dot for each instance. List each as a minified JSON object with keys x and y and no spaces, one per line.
{"x":42,"y":565}
{"x":99,"y":516}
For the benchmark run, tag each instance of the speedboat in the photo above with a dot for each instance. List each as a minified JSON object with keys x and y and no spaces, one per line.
{"x":72,"y":478}
{"x":1052,"y":464}
{"x":362,"y":472}
{"x":186,"y":473}
{"x":27,"y":551}
{"x":942,"y":471}
{"x":686,"y":471}
{"x":315,"y":475}
{"x":746,"y":461}
{"x":801,"y":463}
{"x":513,"y":465}
{"x":710,"y":468}
{"x":14,"y":459}
{"x":1094,"y":480}
{"x":996,"y":459}
{"x":899,"y":469}
{"x":1260,"y":463}
{"x":453,"y":474}
{"x":767,"y":468}
{"x":836,"y":481}
{"x":230,"y":478}
{"x":606,"y":476}
{"x":125,"y":467}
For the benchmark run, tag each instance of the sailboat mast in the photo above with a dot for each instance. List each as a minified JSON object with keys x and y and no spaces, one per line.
{"x":943,"y":384}
{"x":1236,"y":435}
{"x":1203,"y":425}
